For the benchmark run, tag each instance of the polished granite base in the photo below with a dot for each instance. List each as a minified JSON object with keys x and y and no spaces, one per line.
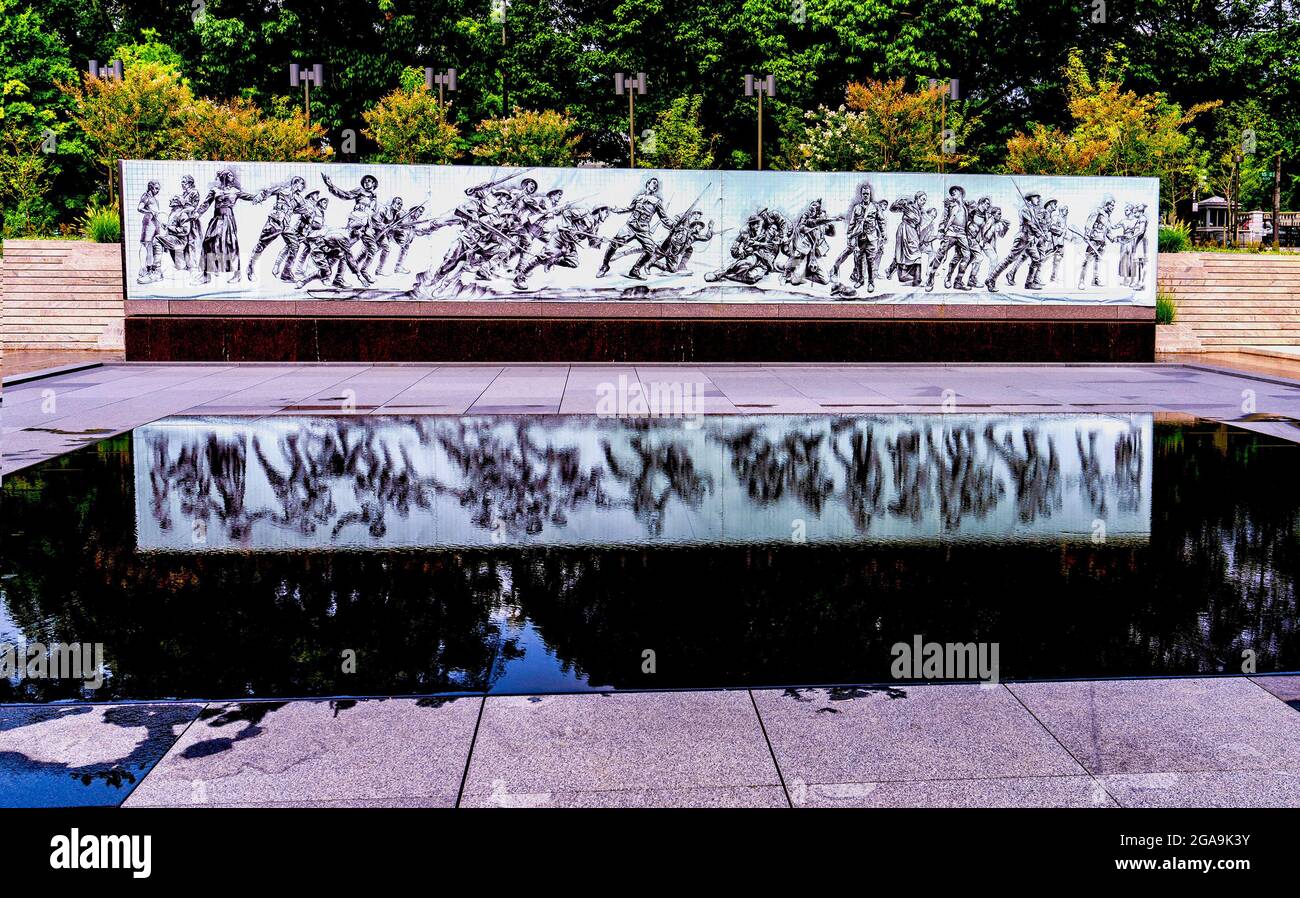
{"x":335,"y":338}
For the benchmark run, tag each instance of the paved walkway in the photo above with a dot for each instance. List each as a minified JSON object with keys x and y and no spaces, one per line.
{"x":1133,"y":743}
{"x":24,"y":361}
{"x":47,"y":417}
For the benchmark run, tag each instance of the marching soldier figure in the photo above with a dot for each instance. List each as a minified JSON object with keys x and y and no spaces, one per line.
{"x":1096,"y":233}
{"x":287,"y":199}
{"x":1058,"y":223}
{"x":645,"y":210}
{"x":953,"y":237}
{"x":985,"y":227}
{"x":307,"y":215}
{"x":382,"y":222}
{"x":866,"y":233}
{"x":190,"y":199}
{"x":1027,"y":243}
{"x":403,"y":234}
{"x":1051,"y":246}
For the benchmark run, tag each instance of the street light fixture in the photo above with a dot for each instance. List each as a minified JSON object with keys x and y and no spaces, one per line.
{"x":445,"y":80}
{"x":110,"y":72}
{"x":306,"y":77}
{"x":761,"y":86}
{"x":947,"y":143}
{"x":631,"y":85}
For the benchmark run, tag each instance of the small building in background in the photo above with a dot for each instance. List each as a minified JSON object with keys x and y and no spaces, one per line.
{"x":1210,"y":217}
{"x":1254,"y":227}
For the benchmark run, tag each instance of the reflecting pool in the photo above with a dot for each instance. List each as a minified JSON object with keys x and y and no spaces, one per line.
{"x":280,"y":557}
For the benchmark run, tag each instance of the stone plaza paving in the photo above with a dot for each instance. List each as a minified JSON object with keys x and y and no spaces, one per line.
{"x":1226,"y":741}
{"x":1208,"y":742}
{"x":49,"y":416}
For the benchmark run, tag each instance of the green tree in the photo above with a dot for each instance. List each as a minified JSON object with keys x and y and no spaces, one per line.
{"x":138,"y":117}
{"x":1115,"y":131}
{"x":677,"y":139}
{"x":24,"y":169}
{"x":148,"y":49}
{"x":40,"y":147}
{"x":883,"y":126}
{"x":527,"y":138}
{"x":1243,"y":128}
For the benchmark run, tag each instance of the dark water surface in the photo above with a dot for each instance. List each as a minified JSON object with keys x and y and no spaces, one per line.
{"x":228,"y":558}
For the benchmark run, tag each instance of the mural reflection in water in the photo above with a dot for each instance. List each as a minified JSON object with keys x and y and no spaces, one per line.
{"x":1199,"y":564}
{"x":382,"y":483}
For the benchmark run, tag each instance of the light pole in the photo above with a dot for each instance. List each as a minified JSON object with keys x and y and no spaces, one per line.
{"x":445,"y":81}
{"x":947,"y":144}
{"x":498,"y":16}
{"x":306,"y":77}
{"x":632,"y":86}
{"x":761,"y":86}
{"x":1232,"y":201}
{"x":110,"y":72}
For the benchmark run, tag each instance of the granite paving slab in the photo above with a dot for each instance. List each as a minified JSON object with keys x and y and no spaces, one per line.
{"x":80,"y":755}
{"x":1286,"y":688}
{"x":1217,"y":789}
{"x":339,"y":751}
{"x":536,"y":748}
{"x":1080,"y":791}
{"x":929,"y":732}
{"x":1161,"y":726}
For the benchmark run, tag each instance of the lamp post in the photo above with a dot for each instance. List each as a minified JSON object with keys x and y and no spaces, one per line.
{"x":498,"y":17}
{"x":630,"y":85}
{"x":947,"y":145}
{"x":761,"y":86}
{"x":306,"y":77}
{"x":110,"y":72}
{"x":1232,"y":200}
{"x":445,"y":81}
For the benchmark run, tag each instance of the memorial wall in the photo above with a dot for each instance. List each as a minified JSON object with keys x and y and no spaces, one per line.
{"x":440,"y":234}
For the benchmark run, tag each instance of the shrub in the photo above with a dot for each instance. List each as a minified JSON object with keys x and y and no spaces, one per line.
{"x":677,"y":139}
{"x":527,"y":138}
{"x":411,"y":126}
{"x":882,"y":126}
{"x":29,"y":217}
{"x":102,"y":224}
{"x":1166,"y":308}
{"x":1175,"y":236}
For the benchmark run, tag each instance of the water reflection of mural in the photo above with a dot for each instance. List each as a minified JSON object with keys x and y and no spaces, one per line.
{"x":1216,"y":576}
{"x":327,"y":483}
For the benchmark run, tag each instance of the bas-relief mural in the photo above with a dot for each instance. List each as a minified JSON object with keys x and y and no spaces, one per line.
{"x":282,"y":484}
{"x":285,"y":231}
